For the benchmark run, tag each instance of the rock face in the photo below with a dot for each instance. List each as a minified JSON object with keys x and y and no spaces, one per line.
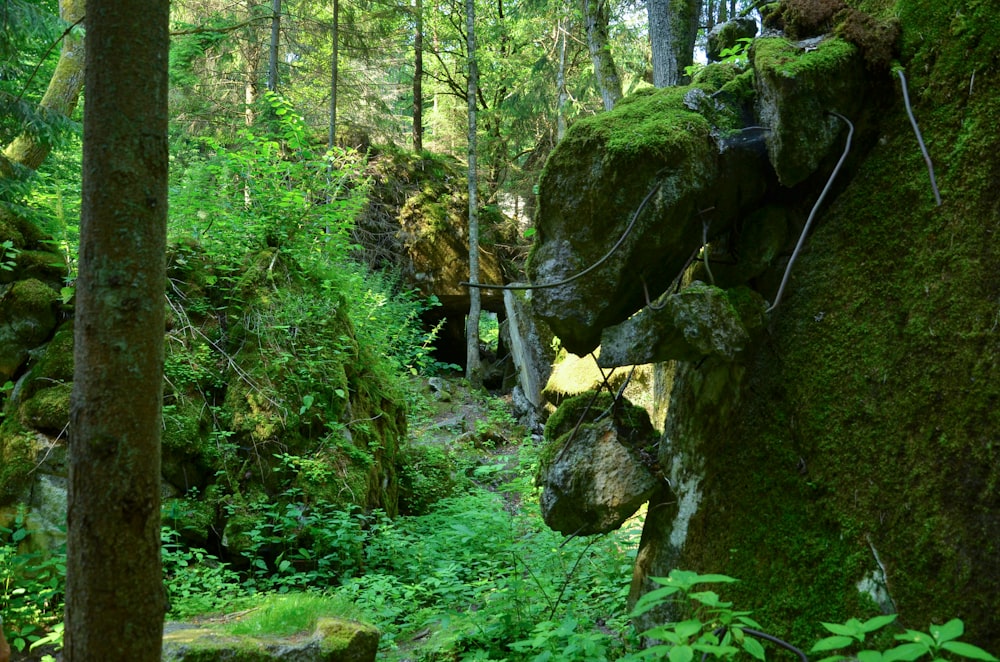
{"x":848,"y":456}
{"x":644,"y":178}
{"x":333,"y":640}
{"x":597,"y":473}
{"x":727,"y":35}
{"x":697,"y":322}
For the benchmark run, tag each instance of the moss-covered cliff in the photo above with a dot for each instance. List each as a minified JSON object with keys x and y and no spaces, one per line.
{"x":871,"y":418}
{"x":850,"y":463}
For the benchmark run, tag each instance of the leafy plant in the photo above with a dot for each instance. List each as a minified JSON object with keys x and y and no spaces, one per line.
{"x":31,"y":584}
{"x":937,"y":643}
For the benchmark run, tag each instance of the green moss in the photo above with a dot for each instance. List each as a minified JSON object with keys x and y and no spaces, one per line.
{"x":655,"y":124}
{"x":48,"y":409}
{"x":17,"y":460}
{"x":788,"y":60}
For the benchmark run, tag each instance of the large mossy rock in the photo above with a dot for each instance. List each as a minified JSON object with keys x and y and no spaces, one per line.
{"x":649,"y":174}
{"x":597,"y":469}
{"x":799,"y":86}
{"x":333,"y":640}
{"x":848,"y":462}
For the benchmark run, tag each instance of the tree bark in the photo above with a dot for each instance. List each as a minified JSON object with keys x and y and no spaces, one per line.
{"x":272,"y":58}
{"x":472,"y":366}
{"x":561,"y":80}
{"x":608,"y":81}
{"x":418,"y":77}
{"x":62,"y":94}
{"x":115,"y":600}
{"x":673,"y":27}
{"x":334,"y":72}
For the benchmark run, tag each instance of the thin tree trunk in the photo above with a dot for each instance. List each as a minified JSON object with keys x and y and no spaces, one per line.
{"x":418,"y":77}
{"x":673,"y":27}
{"x":334,"y":72}
{"x":561,"y":81}
{"x":472,"y":366}
{"x":272,"y":59}
{"x":115,"y":600}
{"x":251,"y":56}
{"x":608,"y":81}
{"x":62,"y":94}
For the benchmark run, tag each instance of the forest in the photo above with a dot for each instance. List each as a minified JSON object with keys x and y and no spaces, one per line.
{"x":499,"y":330}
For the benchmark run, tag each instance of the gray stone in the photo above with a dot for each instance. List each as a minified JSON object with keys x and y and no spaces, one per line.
{"x":699,"y":321}
{"x":333,"y":640}
{"x":530,"y":345}
{"x":600,"y":473}
{"x":727,"y":35}
{"x":798,"y":85}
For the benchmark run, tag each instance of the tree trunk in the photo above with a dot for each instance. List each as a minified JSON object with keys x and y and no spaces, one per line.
{"x":272,"y":59}
{"x":561,"y":81}
{"x":418,"y":77}
{"x":472,"y":366}
{"x":115,"y":600}
{"x":673,"y":27}
{"x":62,"y":93}
{"x":334,"y":72}
{"x":608,"y":81}
{"x":251,"y":58}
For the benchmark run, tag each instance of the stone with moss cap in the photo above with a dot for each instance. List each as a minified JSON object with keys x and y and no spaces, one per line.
{"x":596,"y":475}
{"x":332,"y":640}
{"x":798,"y":85}
{"x":699,"y":321}
{"x":668,"y":147}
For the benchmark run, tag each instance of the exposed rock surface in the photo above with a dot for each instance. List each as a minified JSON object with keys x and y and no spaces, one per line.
{"x":849,"y":454}
{"x":333,"y":640}
{"x":597,"y":473}
{"x":698,"y":321}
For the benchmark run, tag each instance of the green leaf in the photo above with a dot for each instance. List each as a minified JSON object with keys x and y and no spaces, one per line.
{"x":653,"y":599}
{"x":687,"y":629}
{"x":869,"y":656}
{"x":953,"y":629}
{"x":681,"y":654}
{"x":851,"y":628}
{"x":755,"y":649}
{"x":905,"y":653}
{"x":968,"y":650}
{"x":709,"y":599}
{"x":831,"y":643}
{"x":873,"y":624}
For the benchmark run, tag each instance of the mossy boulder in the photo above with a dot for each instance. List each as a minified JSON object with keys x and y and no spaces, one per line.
{"x":699,"y":321}
{"x":597,"y":467}
{"x":332,"y":640}
{"x":28,"y":310}
{"x":799,"y":87}
{"x":17,"y":459}
{"x":643,"y":179}
{"x":727,"y":35}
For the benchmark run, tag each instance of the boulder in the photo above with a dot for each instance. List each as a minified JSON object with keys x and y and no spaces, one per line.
{"x":799,"y":84}
{"x":631,"y":191}
{"x":597,"y":474}
{"x":727,"y":35}
{"x":332,"y":640}
{"x":699,"y":321}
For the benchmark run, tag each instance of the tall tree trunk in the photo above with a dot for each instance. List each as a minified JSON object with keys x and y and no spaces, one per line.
{"x":62,"y":94}
{"x":561,"y":80}
{"x":115,"y":600}
{"x":418,"y":76}
{"x":608,"y":81}
{"x":334,"y":72}
{"x":251,"y":57}
{"x":272,"y":59}
{"x":472,"y":366}
{"x":673,"y":27}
